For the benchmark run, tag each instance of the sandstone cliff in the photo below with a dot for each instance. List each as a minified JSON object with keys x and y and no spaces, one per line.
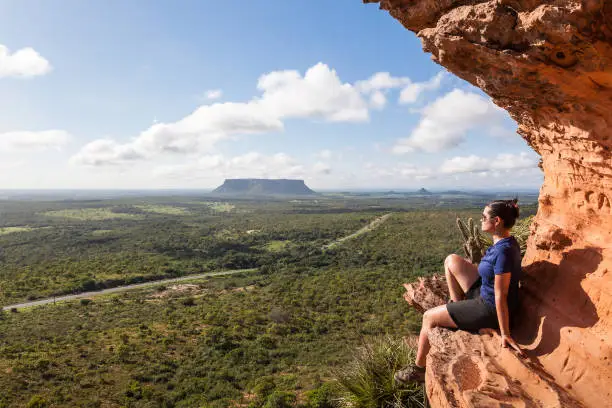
{"x":549,"y":64}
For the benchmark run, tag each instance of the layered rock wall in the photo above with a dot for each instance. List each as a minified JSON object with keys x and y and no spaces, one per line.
{"x":549,"y":64}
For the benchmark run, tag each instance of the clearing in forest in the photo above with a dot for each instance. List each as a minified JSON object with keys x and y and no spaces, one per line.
{"x":91,"y":214}
{"x":163,"y":209}
{"x":11,"y":230}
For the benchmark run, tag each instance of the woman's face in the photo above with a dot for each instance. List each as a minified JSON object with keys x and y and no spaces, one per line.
{"x":487,"y":223}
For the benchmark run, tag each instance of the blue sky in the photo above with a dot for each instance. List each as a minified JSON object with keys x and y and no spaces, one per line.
{"x":144,"y":94}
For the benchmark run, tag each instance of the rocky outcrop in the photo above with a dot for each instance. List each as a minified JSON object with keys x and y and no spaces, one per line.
{"x":256,"y":187}
{"x":472,"y":370}
{"x":549,"y":64}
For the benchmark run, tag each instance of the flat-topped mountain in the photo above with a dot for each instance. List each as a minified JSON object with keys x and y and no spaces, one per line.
{"x":263,"y":187}
{"x":423,"y":191}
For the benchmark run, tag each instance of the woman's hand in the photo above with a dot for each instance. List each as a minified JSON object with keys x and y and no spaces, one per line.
{"x":506,"y":341}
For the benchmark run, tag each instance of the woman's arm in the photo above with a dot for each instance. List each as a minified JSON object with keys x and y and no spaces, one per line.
{"x":502,"y":284}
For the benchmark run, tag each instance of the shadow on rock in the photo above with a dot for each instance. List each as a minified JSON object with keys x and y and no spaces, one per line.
{"x":553,"y":298}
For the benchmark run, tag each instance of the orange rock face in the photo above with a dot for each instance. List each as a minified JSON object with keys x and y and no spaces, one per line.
{"x":549,"y":64}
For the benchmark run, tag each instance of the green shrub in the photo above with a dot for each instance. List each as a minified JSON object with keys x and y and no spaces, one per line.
{"x":188,"y":301}
{"x":37,"y":402}
{"x":264,"y":386}
{"x":134,"y":390}
{"x":322,"y":397}
{"x":280,"y":399}
{"x":368,"y":381}
{"x":521,"y":232}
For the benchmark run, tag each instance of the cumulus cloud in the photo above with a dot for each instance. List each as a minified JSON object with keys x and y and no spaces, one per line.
{"x":446,"y":121}
{"x":402,"y":171}
{"x":411,"y":92}
{"x":214,"y":94}
{"x":104,"y":151}
{"x":476,"y":164}
{"x":250,"y":165}
{"x":379,"y":84}
{"x":378,"y":100}
{"x":322,"y":168}
{"x":206,"y":126}
{"x":380,"y":81}
{"x":28,"y":141}
{"x":319,"y":93}
{"x":23,"y":63}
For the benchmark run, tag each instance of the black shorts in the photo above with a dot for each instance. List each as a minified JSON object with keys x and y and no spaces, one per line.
{"x":474,"y":312}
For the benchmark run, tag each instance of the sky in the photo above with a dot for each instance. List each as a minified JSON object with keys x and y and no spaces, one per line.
{"x":160,"y":94}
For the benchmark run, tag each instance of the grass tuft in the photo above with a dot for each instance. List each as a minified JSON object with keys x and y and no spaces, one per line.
{"x":368,"y":381}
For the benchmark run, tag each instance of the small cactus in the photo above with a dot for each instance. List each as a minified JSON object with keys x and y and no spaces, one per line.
{"x":474,"y":244}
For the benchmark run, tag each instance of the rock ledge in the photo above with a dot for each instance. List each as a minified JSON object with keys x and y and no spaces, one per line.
{"x":472,"y":370}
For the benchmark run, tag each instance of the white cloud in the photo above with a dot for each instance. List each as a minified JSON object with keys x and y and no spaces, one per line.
{"x":381,"y":80}
{"x":104,"y":151}
{"x":214,"y":94}
{"x":467,"y":164}
{"x":23,"y":63}
{"x":402,"y":171}
{"x":445,"y":122}
{"x":319,"y":93}
{"x":378,"y":85}
{"x":513,"y":161}
{"x":378,"y":100}
{"x":251,"y":165}
{"x":28,"y":141}
{"x":206,"y":126}
{"x":285,"y":94}
{"x":324,"y":154}
{"x":322,"y":168}
{"x":476,"y":164}
{"x":413,"y":90}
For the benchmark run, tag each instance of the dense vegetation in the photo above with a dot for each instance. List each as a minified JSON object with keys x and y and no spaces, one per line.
{"x":266,"y":338}
{"x":57,"y":248}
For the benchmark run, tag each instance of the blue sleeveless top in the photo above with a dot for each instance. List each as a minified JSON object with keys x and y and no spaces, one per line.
{"x":503,"y":257}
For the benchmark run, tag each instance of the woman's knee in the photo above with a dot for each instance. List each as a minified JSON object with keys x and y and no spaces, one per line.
{"x":452,"y":259}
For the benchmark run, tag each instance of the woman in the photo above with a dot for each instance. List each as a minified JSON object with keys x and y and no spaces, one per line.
{"x":481,"y":297}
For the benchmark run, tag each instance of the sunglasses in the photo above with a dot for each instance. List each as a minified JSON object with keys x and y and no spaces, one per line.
{"x":484,"y":218}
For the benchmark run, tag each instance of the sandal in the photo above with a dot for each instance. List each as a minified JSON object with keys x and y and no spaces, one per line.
{"x":411,"y":374}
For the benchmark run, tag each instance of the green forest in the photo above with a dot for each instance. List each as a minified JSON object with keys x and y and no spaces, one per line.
{"x":272,"y":336}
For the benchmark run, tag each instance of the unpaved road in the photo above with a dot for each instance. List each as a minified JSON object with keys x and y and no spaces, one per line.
{"x":122,"y":289}
{"x":375,"y":223}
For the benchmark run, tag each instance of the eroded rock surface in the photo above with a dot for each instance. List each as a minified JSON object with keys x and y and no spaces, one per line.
{"x":472,"y":370}
{"x":549,"y":64}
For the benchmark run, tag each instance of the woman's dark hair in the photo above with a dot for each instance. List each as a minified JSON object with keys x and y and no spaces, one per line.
{"x":507,"y":210}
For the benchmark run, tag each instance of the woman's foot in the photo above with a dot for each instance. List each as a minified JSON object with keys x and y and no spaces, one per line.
{"x":411,"y":374}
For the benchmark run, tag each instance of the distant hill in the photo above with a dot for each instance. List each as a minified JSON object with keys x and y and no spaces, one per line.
{"x":263,"y":187}
{"x":424,"y":192}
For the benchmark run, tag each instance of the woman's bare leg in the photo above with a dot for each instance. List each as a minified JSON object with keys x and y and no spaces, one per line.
{"x":435,"y":317}
{"x":460,"y":276}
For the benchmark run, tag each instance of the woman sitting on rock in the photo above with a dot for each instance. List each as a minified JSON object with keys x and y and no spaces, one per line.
{"x":480,"y":297}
